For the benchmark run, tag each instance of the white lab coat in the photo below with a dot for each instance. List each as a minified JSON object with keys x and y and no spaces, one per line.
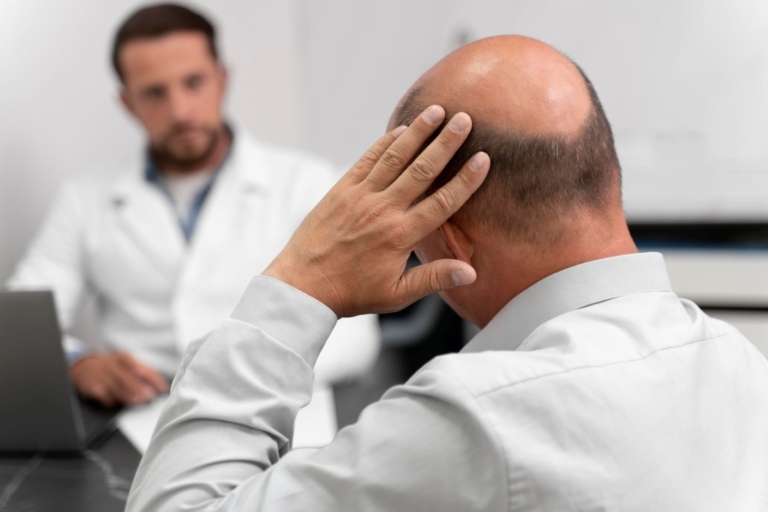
{"x":120,"y":240}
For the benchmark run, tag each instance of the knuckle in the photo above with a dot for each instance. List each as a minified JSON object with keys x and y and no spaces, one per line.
{"x":434,"y":283}
{"x":399,"y":235}
{"x":394,"y":158}
{"x":368,"y":159}
{"x":444,"y":201}
{"x":401,"y":296}
{"x":98,"y":392}
{"x":464,"y":178}
{"x":446,"y":140}
{"x":423,"y":169}
{"x":374,"y":212}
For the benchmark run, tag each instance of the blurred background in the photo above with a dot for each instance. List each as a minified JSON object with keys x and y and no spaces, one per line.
{"x":684,"y":83}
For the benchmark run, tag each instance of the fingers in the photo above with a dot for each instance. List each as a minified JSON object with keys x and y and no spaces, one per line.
{"x":116,"y":378}
{"x":127,"y":388}
{"x":400,"y":152}
{"x":363,"y":167}
{"x":102,"y":395}
{"x":433,"y":277}
{"x":145,"y":373}
{"x":412,"y":183}
{"x":90,"y":382}
{"x":430,"y":213}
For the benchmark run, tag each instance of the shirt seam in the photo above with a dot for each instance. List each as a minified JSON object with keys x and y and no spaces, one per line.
{"x":495,"y":434}
{"x":589,"y":305}
{"x":597,"y":366}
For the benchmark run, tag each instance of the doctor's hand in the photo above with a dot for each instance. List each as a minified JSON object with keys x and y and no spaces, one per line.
{"x":351,"y":250}
{"x":116,"y":379}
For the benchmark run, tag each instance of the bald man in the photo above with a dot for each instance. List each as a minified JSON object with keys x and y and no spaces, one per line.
{"x":591,"y":386}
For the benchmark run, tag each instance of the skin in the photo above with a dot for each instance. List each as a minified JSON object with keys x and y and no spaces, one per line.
{"x":514,"y":81}
{"x":175,"y":88}
{"x":350,"y":252}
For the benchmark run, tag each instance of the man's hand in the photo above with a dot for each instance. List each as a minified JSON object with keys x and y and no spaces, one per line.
{"x":350,"y":251}
{"x":116,"y":378}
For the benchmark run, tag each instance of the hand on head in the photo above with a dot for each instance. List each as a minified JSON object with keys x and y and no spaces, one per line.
{"x":552,"y":201}
{"x":351,"y":250}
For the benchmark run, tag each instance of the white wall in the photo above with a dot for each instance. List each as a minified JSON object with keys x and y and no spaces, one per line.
{"x":684,"y":83}
{"x":59,"y":112}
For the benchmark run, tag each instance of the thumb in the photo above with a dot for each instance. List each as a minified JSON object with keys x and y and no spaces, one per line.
{"x":433,"y":277}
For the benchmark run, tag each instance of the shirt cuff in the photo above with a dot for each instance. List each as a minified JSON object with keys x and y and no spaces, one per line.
{"x":298,"y":321}
{"x":75,"y":355}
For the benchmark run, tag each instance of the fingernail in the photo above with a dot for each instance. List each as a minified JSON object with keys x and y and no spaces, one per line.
{"x":434,"y":115}
{"x":460,"y":277}
{"x":460,"y":122}
{"x":479,"y":161}
{"x":399,"y":130}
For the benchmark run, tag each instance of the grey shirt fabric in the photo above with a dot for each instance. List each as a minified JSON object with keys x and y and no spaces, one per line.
{"x":595,"y":389}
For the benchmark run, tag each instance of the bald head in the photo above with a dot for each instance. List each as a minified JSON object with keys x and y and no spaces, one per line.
{"x":538,"y":117}
{"x":511,"y":82}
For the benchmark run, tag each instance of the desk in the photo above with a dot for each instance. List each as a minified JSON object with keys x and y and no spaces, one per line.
{"x":98,"y":482}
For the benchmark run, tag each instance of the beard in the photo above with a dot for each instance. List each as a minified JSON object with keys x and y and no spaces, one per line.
{"x":185,"y":155}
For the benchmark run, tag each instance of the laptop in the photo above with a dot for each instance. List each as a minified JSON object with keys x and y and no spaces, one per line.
{"x":40,"y":410}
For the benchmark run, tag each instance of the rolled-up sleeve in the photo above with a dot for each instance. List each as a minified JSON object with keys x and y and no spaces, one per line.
{"x":222,"y":442}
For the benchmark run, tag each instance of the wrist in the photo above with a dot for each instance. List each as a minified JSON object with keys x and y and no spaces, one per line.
{"x":306,"y":282}
{"x":75,"y":357}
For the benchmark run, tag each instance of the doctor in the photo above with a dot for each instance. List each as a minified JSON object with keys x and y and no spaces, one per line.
{"x":168,"y":248}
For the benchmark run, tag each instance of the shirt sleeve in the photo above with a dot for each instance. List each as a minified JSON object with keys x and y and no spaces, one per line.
{"x":53,"y":261}
{"x":222,"y":442}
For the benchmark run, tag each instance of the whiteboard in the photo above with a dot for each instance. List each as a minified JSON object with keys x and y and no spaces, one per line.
{"x":684,"y":84}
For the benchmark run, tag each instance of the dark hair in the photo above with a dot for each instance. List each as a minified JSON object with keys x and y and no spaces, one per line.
{"x":535,"y":181}
{"x":156,"y":21}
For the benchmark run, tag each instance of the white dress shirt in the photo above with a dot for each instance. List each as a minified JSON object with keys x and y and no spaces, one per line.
{"x":595,"y":389}
{"x":185,"y":189}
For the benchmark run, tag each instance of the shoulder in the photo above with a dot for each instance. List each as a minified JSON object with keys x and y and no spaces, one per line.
{"x":484,"y":372}
{"x":287,"y":160}
{"x":617,"y":333}
{"x":93,"y":187}
{"x":296,"y":177}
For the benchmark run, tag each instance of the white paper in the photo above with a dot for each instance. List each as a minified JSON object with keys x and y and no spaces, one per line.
{"x":138,"y":423}
{"x":315,"y":426}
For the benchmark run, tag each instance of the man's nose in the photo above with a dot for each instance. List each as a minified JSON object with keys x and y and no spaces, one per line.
{"x":180,"y":105}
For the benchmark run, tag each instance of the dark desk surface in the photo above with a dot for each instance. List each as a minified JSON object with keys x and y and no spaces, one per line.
{"x":99,"y":481}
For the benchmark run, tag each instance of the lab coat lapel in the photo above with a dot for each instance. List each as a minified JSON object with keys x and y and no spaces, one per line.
{"x":242,"y":181}
{"x":147,"y":217}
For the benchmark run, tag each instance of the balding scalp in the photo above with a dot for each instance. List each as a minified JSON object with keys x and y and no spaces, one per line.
{"x":540,"y":174}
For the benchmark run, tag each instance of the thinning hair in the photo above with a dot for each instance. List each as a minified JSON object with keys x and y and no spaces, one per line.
{"x":158,"y":20}
{"x":535,"y":181}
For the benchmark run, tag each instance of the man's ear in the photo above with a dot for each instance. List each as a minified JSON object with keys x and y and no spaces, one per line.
{"x":462,"y":248}
{"x":126,"y":100}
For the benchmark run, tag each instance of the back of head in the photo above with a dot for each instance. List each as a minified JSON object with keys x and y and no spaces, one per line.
{"x":539,"y":119}
{"x":158,"y":20}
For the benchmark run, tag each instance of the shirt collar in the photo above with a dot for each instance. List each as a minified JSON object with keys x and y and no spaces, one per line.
{"x":570,"y":289}
{"x":151,"y":172}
